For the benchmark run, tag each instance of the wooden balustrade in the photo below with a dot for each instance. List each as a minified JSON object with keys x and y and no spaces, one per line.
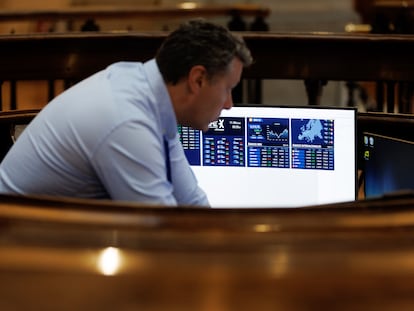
{"x":54,"y":255}
{"x":314,"y":58}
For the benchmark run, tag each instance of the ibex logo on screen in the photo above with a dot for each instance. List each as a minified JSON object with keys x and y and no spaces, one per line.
{"x":217,"y":125}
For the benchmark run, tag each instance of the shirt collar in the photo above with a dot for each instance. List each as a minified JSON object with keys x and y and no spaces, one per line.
{"x":162,"y":98}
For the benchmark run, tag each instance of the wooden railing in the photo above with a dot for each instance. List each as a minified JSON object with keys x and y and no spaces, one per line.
{"x":65,"y":254}
{"x":314,"y":58}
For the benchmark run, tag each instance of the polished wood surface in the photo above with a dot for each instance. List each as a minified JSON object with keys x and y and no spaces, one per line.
{"x":189,"y":226}
{"x":176,"y":280}
{"x":53,"y":279}
{"x":348,"y":256}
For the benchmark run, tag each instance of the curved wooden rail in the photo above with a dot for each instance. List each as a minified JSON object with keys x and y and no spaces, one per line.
{"x":313,"y":57}
{"x":365,"y":57}
{"x":339,"y":257}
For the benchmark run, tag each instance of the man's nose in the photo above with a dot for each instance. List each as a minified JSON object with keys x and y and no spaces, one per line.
{"x":229,"y":102}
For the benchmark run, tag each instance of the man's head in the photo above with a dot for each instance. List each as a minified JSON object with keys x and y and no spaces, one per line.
{"x":206,"y":60}
{"x":198,"y":42}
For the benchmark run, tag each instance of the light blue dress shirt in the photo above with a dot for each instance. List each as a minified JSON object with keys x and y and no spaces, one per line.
{"x":104,"y":138}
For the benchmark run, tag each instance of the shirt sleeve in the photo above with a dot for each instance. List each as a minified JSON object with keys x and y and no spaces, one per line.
{"x":186,"y":189}
{"x":131,"y":165}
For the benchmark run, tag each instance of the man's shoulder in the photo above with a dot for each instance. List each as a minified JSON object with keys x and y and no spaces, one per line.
{"x":125,"y":64}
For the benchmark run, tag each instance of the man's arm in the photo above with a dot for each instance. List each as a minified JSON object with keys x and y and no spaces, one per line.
{"x":130,"y":162}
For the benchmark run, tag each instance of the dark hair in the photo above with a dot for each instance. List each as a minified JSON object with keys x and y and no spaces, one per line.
{"x":198,"y":42}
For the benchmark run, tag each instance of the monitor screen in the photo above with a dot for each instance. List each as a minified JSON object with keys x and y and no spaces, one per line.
{"x":388,"y":165}
{"x":275,"y":156}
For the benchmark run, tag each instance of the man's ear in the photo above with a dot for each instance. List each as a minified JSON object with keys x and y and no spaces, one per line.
{"x":196,"y":78}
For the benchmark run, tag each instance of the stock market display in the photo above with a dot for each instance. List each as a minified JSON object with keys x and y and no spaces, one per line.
{"x":262,"y":142}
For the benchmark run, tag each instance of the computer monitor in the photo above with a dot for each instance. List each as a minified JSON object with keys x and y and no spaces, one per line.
{"x":275,"y":156}
{"x":388,"y":165}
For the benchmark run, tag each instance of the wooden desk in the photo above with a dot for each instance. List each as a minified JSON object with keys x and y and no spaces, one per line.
{"x":313,"y":58}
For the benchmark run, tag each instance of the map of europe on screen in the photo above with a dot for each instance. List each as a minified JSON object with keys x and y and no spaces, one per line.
{"x":313,"y":132}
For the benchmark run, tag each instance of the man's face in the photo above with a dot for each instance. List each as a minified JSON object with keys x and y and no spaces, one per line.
{"x":215,"y":95}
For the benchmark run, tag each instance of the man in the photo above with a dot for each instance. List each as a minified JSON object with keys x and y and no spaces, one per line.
{"x":114,"y":135}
